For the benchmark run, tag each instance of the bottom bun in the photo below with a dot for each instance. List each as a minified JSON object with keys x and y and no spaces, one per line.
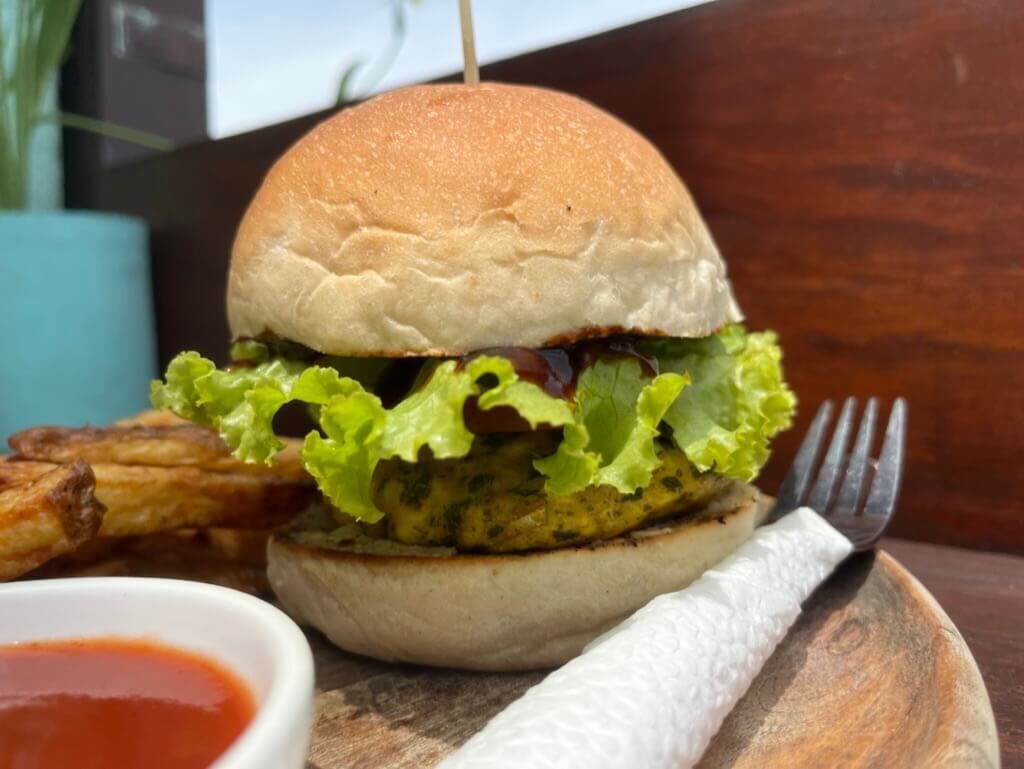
{"x":513,"y":611}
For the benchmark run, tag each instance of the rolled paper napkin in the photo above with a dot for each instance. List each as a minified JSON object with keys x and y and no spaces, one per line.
{"x":654,"y":690}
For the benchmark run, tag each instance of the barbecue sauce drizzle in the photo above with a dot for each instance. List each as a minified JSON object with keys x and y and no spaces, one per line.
{"x":553,"y":369}
{"x":556,"y":369}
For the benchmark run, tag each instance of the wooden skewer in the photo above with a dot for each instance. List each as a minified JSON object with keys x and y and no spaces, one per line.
{"x":470,"y":70}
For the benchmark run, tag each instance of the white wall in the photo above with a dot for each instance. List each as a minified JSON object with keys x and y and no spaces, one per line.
{"x":270,"y":60}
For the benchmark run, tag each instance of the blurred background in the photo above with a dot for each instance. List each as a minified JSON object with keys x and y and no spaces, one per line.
{"x":860,"y":165}
{"x":189,"y":69}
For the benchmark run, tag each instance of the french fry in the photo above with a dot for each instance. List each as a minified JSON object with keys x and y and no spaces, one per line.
{"x":17,"y":473}
{"x":151,"y":418}
{"x":145,"y":500}
{"x":162,"y":482}
{"x":179,"y":444}
{"x":45,"y":511}
{"x":89,"y":552}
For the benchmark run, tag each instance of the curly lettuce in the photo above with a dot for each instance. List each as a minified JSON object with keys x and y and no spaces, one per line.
{"x":721,"y":399}
{"x":611,"y":440}
{"x":357,"y":431}
{"x":737,"y":401}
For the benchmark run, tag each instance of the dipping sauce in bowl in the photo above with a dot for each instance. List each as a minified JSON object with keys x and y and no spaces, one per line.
{"x":115,"y":703}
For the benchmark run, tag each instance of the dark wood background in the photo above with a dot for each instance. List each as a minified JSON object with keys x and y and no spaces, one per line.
{"x":862,"y":167}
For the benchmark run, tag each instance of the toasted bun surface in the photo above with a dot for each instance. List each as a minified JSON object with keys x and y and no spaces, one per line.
{"x":500,"y":612}
{"x":442,"y":219}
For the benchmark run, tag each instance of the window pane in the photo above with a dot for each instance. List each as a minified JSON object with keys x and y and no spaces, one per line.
{"x":270,"y":61}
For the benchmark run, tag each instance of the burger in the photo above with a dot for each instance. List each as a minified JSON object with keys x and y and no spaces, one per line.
{"x":534,"y":405}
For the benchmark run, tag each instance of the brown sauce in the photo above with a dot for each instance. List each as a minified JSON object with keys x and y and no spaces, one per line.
{"x":556,"y":369}
{"x":553,"y":370}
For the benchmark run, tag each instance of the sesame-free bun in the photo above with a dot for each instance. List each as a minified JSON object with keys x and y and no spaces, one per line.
{"x":443,"y":219}
{"x":513,"y":611}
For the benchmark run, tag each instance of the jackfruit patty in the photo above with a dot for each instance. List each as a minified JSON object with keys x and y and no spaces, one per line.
{"x":494,"y":500}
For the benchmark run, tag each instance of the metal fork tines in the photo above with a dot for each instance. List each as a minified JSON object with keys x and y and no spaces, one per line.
{"x":862,"y":518}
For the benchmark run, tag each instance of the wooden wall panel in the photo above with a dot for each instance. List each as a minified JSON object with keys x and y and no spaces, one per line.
{"x":862,"y":167}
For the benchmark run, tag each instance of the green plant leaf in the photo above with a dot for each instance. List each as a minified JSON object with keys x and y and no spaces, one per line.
{"x":111,"y":130}
{"x":345,"y":92}
{"x":29,"y":58}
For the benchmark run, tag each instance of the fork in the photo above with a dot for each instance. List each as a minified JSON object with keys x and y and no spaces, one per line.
{"x":860,"y":518}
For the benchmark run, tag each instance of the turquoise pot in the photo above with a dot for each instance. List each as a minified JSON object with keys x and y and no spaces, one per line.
{"x":77,"y":341}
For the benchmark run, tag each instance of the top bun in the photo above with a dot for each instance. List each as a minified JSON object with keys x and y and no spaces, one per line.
{"x":443,"y":219}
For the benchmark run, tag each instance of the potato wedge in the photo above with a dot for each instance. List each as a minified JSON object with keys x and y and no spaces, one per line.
{"x":151,"y":418}
{"x":17,"y":473}
{"x":45,"y":510}
{"x":161,"y":445}
{"x":145,"y":500}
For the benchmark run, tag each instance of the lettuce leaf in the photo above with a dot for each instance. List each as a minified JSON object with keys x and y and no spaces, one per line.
{"x":571,"y":467}
{"x":361,"y":432}
{"x":722,"y":397}
{"x":358,"y":432}
{"x":737,"y":401}
{"x":636,"y":459}
{"x":241,"y":403}
{"x":612,"y":440}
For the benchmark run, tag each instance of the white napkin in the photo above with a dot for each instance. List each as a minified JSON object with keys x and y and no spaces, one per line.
{"x":654,"y":690}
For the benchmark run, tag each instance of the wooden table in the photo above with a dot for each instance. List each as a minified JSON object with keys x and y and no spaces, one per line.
{"x":362,"y":701}
{"x":983,"y":593}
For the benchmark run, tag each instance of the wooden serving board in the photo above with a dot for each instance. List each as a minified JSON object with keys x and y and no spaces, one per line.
{"x":873,"y":674}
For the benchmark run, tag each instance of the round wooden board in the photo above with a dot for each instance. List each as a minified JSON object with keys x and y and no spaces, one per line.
{"x":873,"y":674}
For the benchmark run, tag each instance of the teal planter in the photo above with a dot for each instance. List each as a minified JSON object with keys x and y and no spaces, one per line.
{"x":77,"y":341}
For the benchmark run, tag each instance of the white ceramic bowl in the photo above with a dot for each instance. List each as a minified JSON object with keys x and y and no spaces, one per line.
{"x":246,"y":635}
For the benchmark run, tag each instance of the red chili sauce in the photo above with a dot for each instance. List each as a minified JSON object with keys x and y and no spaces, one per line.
{"x":115,"y":703}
